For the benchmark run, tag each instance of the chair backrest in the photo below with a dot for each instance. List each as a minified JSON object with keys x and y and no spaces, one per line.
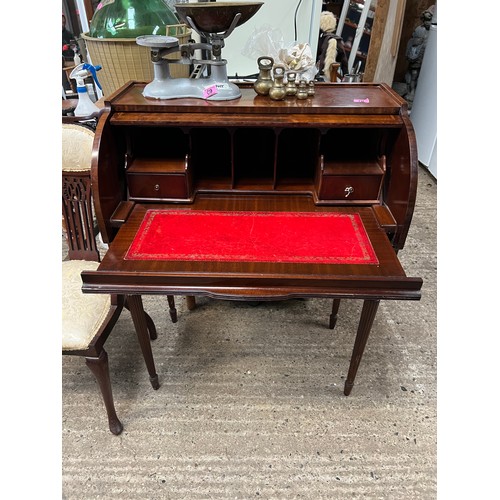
{"x":77,"y":143}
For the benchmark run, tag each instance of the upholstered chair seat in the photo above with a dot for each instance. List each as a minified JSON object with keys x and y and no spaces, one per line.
{"x":82,"y":314}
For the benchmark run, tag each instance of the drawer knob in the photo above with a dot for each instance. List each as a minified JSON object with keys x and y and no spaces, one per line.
{"x":157,"y":187}
{"x":348,"y":191}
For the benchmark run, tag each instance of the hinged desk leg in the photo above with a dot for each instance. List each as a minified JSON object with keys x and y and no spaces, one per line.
{"x":365,"y":324}
{"x":141,"y":327}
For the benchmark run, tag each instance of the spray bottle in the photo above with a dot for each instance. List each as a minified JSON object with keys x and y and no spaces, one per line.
{"x":85,"y":105}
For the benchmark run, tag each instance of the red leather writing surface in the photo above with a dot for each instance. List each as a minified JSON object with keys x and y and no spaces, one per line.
{"x":294,"y":237}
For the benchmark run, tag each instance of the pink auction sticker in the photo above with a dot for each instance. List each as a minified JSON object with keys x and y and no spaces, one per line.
{"x":366,"y":100}
{"x":209,"y":91}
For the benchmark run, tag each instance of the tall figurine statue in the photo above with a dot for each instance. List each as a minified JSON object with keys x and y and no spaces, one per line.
{"x":415,"y":53}
{"x":330,"y":47}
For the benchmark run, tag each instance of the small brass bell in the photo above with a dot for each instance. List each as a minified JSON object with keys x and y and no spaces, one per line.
{"x":278,"y":91}
{"x":291,"y":87}
{"x":264,"y":81}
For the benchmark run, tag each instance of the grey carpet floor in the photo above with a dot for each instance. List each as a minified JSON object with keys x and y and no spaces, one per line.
{"x":251,"y":402}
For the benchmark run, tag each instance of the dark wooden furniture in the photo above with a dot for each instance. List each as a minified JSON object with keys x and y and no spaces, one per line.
{"x":350,"y":149}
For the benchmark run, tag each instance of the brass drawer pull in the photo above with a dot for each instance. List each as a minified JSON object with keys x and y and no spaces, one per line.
{"x":157,"y":187}
{"x":348,"y":190}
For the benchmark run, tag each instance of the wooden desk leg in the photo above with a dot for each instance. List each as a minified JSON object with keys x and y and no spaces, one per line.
{"x":153,"y":335}
{"x":335,"y":310}
{"x":191,"y":302}
{"x":141,"y":328}
{"x":172,"y":309}
{"x":365,"y":324}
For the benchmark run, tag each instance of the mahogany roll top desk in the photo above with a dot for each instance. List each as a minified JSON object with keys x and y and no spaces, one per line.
{"x":347,"y":153}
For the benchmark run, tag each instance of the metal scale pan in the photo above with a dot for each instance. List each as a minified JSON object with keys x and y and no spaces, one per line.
{"x":216,"y":17}
{"x":157,"y":41}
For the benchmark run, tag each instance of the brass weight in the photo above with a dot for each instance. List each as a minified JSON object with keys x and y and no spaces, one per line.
{"x":278,"y":91}
{"x":264,"y":81}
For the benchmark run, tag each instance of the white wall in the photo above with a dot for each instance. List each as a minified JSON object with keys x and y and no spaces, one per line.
{"x":278,"y":14}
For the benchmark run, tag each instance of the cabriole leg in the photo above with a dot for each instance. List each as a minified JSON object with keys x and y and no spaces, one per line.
{"x":153,"y":335}
{"x":141,"y":328}
{"x":100,"y":368}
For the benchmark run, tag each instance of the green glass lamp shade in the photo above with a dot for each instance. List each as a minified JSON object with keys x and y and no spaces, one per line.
{"x":131,"y":18}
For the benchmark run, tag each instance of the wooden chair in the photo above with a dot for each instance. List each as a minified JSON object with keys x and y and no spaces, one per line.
{"x":87,"y":319}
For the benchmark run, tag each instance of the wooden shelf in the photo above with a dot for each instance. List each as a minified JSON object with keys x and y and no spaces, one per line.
{"x":158,"y":165}
{"x":352,"y":167}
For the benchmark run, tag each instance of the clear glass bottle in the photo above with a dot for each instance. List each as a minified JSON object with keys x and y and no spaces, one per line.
{"x":131,"y":18}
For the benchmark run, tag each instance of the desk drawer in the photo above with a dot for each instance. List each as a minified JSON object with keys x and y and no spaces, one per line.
{"x":159,"y":178}
{"x":350,"y":187}
{"x":349,"y":181}
{"x":158,"y":186}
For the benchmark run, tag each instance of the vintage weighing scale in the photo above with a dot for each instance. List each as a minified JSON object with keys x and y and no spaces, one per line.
{"x":213,"y":21}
